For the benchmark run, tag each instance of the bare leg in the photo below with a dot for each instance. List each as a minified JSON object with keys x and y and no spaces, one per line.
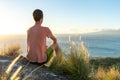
{"x":56,"y":48}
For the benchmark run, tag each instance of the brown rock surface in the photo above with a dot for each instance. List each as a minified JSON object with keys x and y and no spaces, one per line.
{"x":29,"y":71}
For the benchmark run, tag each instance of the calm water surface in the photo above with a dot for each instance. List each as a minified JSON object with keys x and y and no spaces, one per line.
{"x":98,"y":45}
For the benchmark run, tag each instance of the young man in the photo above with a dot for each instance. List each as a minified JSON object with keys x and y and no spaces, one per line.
{"x":36,"y":41}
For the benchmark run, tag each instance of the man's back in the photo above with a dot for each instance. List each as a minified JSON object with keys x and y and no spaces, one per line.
{"x":36,"y":43}
{"x":36,"y":40}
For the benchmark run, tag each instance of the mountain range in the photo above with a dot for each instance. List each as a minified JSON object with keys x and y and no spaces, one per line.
{"x":107,"y":32}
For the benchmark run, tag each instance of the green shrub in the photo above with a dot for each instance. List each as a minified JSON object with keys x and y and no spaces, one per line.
{"x":117,"y":66}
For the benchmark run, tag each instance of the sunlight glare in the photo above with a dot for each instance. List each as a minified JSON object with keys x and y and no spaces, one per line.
{"x":10,"y":23}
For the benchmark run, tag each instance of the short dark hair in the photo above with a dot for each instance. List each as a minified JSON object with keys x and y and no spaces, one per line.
{"x":37,"y":14}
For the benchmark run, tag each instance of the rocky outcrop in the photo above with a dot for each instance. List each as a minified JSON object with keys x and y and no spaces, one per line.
{"x":27,"y":71}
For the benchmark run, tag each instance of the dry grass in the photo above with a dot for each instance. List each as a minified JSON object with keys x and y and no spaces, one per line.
{"x":75,"y":63}
{"x":110,"y":74}
{"x":12,"y":50}
{"x":6,"y":73}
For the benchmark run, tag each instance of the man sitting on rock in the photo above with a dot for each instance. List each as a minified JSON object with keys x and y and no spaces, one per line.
{"x":37,"y":52}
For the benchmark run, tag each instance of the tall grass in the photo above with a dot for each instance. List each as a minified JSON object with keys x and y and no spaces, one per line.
{"x":12,"y":50}
{"x":75,"y":63}
{"x":110,"y":74}
{"x":6,"y":75}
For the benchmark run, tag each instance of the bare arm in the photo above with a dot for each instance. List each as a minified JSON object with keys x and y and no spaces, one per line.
{"x":53,"y":39}
{"x":55,"y":46}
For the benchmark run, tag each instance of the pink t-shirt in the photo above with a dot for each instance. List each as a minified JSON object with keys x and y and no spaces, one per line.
{"x":36,"y":43}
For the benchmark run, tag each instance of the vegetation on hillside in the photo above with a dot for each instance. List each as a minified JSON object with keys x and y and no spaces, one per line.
{"x":76,"y":64}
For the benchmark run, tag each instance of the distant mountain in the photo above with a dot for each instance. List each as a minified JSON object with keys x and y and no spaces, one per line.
{"x":107,"y":32}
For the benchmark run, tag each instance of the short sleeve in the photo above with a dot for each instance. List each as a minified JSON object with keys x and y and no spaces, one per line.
{"x":49,"y":33}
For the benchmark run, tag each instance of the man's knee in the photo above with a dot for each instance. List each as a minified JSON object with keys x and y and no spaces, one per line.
{"x":54,"y":46}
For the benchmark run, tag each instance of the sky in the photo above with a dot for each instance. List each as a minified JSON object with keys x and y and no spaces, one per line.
{"x":61,"y":16}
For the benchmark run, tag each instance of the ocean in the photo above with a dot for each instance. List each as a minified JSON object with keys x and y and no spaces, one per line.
{"x":97,"y":45}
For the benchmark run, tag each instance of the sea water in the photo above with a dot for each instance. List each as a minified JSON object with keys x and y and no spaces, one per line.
{"x":97,"y":45}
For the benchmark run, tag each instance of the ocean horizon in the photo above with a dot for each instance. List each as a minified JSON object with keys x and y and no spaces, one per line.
{"x":97,"y":45}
